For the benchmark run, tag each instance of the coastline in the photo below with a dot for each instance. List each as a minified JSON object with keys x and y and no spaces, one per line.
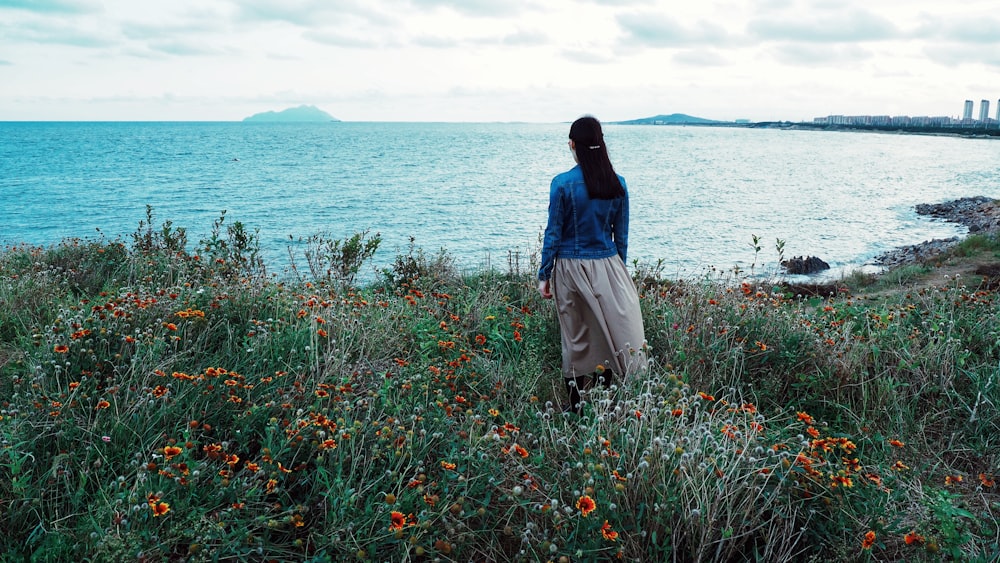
{"x":980,"y":214}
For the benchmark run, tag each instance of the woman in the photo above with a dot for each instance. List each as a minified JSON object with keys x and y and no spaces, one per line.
{"x":583,"y":267}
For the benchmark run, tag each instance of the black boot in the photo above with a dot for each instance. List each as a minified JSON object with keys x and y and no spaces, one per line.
{"x":605,"y":378}
{"x":573,"y":388}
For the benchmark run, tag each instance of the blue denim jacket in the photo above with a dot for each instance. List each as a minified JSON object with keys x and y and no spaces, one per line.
{"x":580,"y":227}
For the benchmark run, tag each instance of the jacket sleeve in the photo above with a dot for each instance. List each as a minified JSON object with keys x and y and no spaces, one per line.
{"x":553,"y":230}
{"x":619,"y":227}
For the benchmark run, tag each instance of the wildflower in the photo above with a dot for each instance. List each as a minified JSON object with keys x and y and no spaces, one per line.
{"x":896,"y":443}
{"x":170,"y":326}
{"x":608,"y":533}
{"x":102,"y":404}
{"x":899,"y":466}
{"x":804,"y":417}
{"x":585,"y":505}
{"x":842,"y":481}
{"x":328,"y":444}
{"x":493,"y":412}
{"x":812,"y":432}
{"x":322,"y":333}
{"x":159,"y":508}
{"x":987,"y":481}
{"x":447,"y":465}
{"x":677,"y":412}
{"x":706,"y":396}
{"x":60,"y":349}
{"x":950,"y":480}
{"x":869,"y":540}
{"x":913,"y":537}
{"x":106,"y":439}
{"x":520,"y":451}
{"x":170,"y":452}
{"x":322,"y":393}
{"x":398,"y":520}
{"x":480,"y":339}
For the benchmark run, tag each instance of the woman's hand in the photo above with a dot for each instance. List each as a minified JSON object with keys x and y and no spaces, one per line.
{"x":543,"y":288}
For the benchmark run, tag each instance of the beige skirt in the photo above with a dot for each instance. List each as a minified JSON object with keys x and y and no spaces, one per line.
{"x":599,"y":317}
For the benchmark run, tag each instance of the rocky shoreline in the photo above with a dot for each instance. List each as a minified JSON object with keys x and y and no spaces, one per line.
{"x":980,"y":214}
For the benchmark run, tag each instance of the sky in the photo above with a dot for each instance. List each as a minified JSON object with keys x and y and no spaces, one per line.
{"x":495,"y":60}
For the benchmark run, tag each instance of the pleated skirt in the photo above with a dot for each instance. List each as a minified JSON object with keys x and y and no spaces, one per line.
{"x":599,"y":317}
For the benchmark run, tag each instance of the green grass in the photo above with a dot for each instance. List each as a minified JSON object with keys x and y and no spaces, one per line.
{"x":161,"y":403}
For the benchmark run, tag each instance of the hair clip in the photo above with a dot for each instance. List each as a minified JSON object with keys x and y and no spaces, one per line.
{"x":592,"y":147}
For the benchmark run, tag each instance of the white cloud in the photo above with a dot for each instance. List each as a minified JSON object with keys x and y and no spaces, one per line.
{"x":854,"y":26}
{"x":517,"y":60}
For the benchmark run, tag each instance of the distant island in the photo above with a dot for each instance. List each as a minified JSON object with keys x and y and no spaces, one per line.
{"x":672,"y":119}
{"x":301,"y":114}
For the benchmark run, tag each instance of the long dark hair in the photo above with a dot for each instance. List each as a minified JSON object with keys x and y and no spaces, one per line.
{"x":592,"y":155}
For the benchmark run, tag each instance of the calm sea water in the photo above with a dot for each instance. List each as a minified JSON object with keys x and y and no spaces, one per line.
{"x":699,"y":195}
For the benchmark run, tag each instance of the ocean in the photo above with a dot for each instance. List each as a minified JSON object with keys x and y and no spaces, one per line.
{"x":699,"y":195}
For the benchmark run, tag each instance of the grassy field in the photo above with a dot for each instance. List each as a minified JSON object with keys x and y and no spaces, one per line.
{"x":170,"y":401}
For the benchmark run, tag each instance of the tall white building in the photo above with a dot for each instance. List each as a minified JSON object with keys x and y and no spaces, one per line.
{"x":984,"y":111}
{"x":967,"y":114}
{"x":998,"y":111}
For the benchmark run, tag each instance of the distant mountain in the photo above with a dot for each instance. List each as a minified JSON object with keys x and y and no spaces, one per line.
{"x":672,"y":119}
{"x":301,"y":114}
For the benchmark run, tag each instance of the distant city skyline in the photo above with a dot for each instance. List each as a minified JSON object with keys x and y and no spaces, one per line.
{"x":919,"y":121}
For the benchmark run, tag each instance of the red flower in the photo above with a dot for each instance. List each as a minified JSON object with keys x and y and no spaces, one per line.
{"x":397,"y":520}
{"x":869,"y":540}
{"x":608,"y":533}
{"x":586,"y":505}
{"x":913,"y":537}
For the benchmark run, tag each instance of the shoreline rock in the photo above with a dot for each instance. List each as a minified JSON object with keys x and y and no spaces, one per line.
{"x":979,"y":214}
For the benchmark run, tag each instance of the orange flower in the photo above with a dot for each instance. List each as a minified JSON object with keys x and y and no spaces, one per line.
{"x":322,"y":333}
{"x":60,"y":349}
{"x":608,"y":533}
{"x":102,"y":404}
{"x":913,"y":537}
{"x":987,"y":481}
{"x":586,"y":505}
{"x":480,"y":339}
{"x":950,"y":480}
{"x":520,"y":451}
{"x":869,"y":540}
{"x":896,"y":443}
{"x":171,"y":451}
{"x":804,"y":417}
{"x":705,"y":396}
{"x":899,"y":466}
{"x":397,"y":520}
{"x":159,"y":508}
{"x":447,"y":465}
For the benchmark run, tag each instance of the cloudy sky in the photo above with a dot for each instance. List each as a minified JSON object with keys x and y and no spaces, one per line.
{"x":495,"y":60}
